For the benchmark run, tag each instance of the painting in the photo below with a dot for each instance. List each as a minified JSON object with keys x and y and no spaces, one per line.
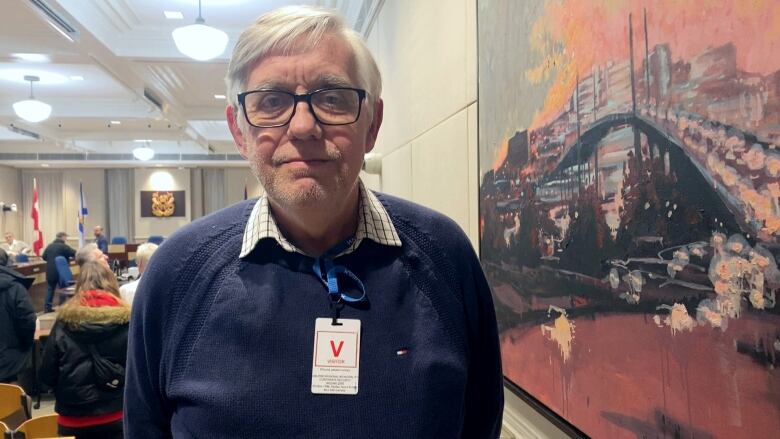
{"x":630,"y":211}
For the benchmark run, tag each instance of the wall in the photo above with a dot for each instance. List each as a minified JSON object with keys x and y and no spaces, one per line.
{"x":94,"y":184}
{"x":179,"y":179}
{"x":235,"y":179}
{"x":11,"y":192}
{"x":428,"y":138}
{"x":426,"y":51}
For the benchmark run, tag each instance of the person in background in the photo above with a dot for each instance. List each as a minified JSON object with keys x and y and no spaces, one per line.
{"x":58,"y":247}
{"x":91,"y":252}
{"x":95,"y":318}
{"x":142,"y":257}
{"x":14,"y":247}
{"x":237,"y":307}
{"x":17,"y":321}
{"x":100,"y":239}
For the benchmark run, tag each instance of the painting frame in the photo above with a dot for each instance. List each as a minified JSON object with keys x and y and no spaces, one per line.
{"x":722,"y":234}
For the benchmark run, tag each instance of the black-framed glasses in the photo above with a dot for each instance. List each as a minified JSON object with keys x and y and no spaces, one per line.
{"x":275,"y":108}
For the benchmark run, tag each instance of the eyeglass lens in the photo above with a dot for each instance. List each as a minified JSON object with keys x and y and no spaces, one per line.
{"x":330,"y":106}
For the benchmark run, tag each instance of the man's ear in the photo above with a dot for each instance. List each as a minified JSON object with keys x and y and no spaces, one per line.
{"x":376,"y":122}
{"x":235,"y":130}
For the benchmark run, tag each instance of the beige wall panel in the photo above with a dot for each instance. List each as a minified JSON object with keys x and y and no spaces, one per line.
{"x":425,"y":68}
{"x":11,"y":193}
{"x":160,"y":179}
{"x":235,"y":178}
{"x":372,"y":181}
{"x":392,"y":39}
{"x":473,"y":177}
{"x":471,"y":50}
{"x":440,"y":174}
{"x":397,"y":172}
{"x":94,"y":183}
{"x":437,"y":58}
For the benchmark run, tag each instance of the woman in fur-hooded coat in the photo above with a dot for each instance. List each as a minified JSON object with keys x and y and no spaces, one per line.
{"x":95,"y":316}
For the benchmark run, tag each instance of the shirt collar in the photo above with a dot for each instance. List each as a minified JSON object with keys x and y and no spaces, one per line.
{"x":373,"y":223}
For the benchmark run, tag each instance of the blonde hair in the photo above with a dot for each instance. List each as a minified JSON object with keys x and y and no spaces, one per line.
{"x":297,"y":28}
{"x":96,"y":276}
{"x":144,"y":253}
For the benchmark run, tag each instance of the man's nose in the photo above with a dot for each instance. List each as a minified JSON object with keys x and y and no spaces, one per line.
{"x":303,"y":124}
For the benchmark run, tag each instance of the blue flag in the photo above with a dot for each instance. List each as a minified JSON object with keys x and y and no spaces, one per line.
{"x":82,"y":216}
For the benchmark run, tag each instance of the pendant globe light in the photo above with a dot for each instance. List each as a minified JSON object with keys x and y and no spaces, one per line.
{"x":32,"y":110}
{"x":199,"y":41}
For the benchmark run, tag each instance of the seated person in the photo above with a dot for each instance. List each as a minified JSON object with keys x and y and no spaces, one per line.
{"x":90,"y":328}
{"x":142,"y":256}
{"x":14,"y":247}
{"x":17,"y":322}
{"x":91,"y":252}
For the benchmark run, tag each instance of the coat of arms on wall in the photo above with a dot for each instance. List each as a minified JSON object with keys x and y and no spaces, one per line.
{"x":162,"y":204}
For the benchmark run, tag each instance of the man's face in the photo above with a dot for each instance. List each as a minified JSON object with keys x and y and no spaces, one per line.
{"x":97,"y":231}
{"x":304,"y":162}
{"x":9,"y":238}
{"x":99,"y":256}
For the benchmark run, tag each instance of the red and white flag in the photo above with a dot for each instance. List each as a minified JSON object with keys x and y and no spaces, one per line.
{"x":37,"y":234}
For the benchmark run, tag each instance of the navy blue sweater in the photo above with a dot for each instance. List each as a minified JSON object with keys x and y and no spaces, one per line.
{"x":222,"y":347}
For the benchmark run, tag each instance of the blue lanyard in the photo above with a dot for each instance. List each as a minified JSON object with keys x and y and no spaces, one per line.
{"x":328,"y":273}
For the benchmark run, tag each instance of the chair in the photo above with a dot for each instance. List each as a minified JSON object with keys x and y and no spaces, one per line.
{"x":21,"y":258}
{"x":5,"y":431}
{"x":39,"y":427}
{"x":118,"y":240}
{"x":63,"y":272}
{"x":13,"y":400}
{"x":156,"y":239}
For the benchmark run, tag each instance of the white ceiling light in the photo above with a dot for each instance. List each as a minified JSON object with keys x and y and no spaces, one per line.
{"x":219,"y":96}
{"x":143,"y":153}
{"x":31,"y":109}
{"x":173,"y":15}
{"x":199,"y":41}
{"x":31,"y":57}
{"x":18,"y":76}
{"x":116,"y":122}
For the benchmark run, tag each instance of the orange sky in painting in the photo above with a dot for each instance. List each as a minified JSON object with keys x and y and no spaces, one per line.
{"x":573,"y":35}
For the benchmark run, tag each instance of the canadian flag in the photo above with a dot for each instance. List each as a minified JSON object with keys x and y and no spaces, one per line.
{"x":37,"y":234}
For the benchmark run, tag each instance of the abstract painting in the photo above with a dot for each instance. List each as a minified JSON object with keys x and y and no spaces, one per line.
{"x":630,"y":210}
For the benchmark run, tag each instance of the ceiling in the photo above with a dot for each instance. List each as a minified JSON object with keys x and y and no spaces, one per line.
{"x":121,"y":82}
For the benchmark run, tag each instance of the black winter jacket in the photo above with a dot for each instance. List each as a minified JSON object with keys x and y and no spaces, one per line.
{"x":67,"y":363}
{"x":56,"y":248}
{"x":17,"y":322}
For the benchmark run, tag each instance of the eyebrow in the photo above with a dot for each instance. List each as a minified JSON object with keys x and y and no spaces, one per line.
{"x":322,"y":81}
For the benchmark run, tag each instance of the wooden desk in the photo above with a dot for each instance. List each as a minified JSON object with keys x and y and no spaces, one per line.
{"x":37,"y":271}
{"x":124,"y":253}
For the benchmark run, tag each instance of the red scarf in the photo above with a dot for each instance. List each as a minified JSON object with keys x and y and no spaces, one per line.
{"x":98,"y":298}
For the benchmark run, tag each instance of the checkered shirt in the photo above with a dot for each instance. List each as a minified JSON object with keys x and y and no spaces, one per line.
{"x":373,"y":223}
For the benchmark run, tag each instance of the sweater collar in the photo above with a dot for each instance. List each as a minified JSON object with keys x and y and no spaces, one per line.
{"x":373,"y":223}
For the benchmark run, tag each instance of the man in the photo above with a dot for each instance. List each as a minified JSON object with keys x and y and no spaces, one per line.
{"x":241,"y":314}
{"x":17,"y":321}
{"x":14,"y":247}
{"x":91,"y":252}
{"x":142,"y":256}
{"x":100,"y":239}
{"x":58,"y":247}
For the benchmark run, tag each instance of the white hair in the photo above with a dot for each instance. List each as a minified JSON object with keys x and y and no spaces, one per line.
{"x":86,"y":254}
{"x":144,"y":253}
{"x":295,"y":29}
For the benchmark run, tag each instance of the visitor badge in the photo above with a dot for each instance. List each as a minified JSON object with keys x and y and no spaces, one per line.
{"x":336,"y":357}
